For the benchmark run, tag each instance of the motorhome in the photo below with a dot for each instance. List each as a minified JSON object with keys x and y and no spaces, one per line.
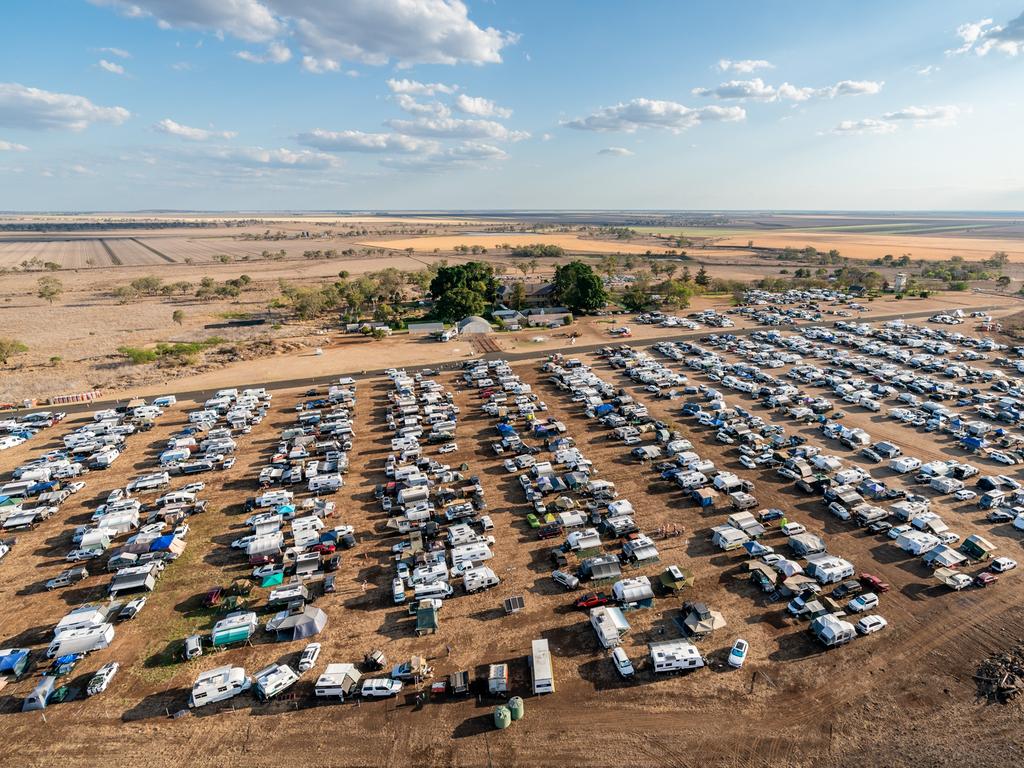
{"x":479,"y":578}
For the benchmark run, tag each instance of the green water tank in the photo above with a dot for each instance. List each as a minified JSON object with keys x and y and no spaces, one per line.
{"x":502,"y":717}
{"x":516,"y":707}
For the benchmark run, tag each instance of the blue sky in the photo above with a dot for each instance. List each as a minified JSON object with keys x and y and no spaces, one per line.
{"x":437,"y":104}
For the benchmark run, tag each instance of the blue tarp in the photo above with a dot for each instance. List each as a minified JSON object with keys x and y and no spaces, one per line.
{"x":164,"y":542}
{"x":604,"y":408}
{"x":10,"y":661}
{"x":756,"y":549}
{"x":506,"y":429}
{"x":38,"y":488}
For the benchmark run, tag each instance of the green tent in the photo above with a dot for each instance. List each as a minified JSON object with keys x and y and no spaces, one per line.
{"x":273,"y":579}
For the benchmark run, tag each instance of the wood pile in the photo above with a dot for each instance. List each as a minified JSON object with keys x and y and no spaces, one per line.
{"x":1000,"y":678}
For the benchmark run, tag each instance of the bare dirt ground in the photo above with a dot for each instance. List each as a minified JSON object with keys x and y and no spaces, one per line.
{"x":903,"y":697}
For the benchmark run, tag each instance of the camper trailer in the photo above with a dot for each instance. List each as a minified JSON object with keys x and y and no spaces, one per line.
{"x":337,"y":681}
{"x":675,"y":656}
{"x":82,"y":640}
{"x":541,"y":668}
{"x":479,"y":578}
{"x":274,"y":679}
{"x":219,"y":684}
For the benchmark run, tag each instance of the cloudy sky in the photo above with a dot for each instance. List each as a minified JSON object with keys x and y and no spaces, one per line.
{"x":431,"y":104}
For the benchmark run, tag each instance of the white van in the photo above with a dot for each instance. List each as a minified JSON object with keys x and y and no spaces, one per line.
{"x":165,"y":401}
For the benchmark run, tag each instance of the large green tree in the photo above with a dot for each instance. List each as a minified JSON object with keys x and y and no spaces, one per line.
{"x":457,"y":303}
{"x":475,"y":276}
{"x":579,"y":288}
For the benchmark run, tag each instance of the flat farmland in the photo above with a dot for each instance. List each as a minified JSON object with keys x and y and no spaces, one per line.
{"x":864,"y":246}
{"x":568,"y":241}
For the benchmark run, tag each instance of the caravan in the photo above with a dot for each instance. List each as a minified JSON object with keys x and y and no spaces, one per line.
{"x":219,"y":684}
{"x":541,"y":668}
{"x":675,"y":656}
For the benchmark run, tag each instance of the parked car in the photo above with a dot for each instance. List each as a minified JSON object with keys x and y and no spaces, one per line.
{"x":549,"y":531}
{"x":846,"y":589}
{"x":64,"y":578}
{"x":876,"y":584}
{"x":1000,"y":516}
{"x":738,"y":654}
{"x":193,"y":647}
{"x":985,"y":578}
{"x":792,"y":529}
{"x":131,"y":609}
{"x":622,"y":663}
{"x":592,"y":600}
{"x":80,"y":555}
{"x":1003,"y":564}
{"x":870,"y":624}
{"x":379,"y":688}
{"x":567,"y":580}
{"x":964,"y":495}
{"x":862,"y":603}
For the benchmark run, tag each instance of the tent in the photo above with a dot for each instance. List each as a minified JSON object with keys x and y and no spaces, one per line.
{"x":299,"y":624}
{"x":474,"y":324}
{"x":756,"y":549}
{"x":273,"y":579}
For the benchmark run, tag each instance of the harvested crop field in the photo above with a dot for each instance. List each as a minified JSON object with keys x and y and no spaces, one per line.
{"x":567,"y":241}
{"x":858,"y":246}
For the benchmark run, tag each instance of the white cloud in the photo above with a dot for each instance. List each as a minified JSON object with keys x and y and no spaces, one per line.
{"x":479,"y":106}
{"x":743,"y":66}
{"x":985,"y":36}
{"x":408,"y":104}
{"x":172,"y":128}
{"x":317,"y":66}
{"x":468,"y":154}
{"x":647,"y":113}
{"x":374,"y":32}
{"x":10,"y":146}
{"x":890,"y":121}
{"x":922,"y":115}
{"x":249,"y":20}
{"x":276,"y":54}
{"x":930,"y":69}
{"x":757,"y":90}
{"x":416,"y":88}
{"x":358,"y":141}
{"x":546,"y":136}
{"x":121,"y":53}
{"x":615,"y":152}
{"x":868,"y":125}
{"x":182,"y":66}
{"x":456,"y":128}
{"x":34,"y":108}
{"x":272,"y":159}
{"x":110,"y":66}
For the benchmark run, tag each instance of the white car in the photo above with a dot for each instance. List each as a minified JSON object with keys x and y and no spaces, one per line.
{"x":510,"y":466}
{"x":77,"y":555}
{"x":116,"y":495}
{"x":898,"y":530}
{"x":1002,"y":458}
{"x":181,"y":531}
{"x":738,"y":654}
{"x":131,"y":608}
{"x":965,"y":495}
{"x":76,"y":486}
{"x":193,"y":487}
{"x":622,"y":663}
{"x":792,"y":529}
{"x":948,"y":537}
{"x":864,"y":602}
{"x":1003,"y":564}
{"x":772,"y":559}
{"x":748,"y":462}
{"x":448,"y":448}
{"x":871,"y":623}
{"x":243,"y":542}
{"x":380,"y":687}
{"x":309,"y":656}
{"x":99,"y":682}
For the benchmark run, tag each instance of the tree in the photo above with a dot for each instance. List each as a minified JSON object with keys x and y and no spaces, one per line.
{"x":579,"y":288}
{"x":178,"y":316}
{"x":458,"y":303}
{"x":1003,"y":282}
{"x":49,"y":288}
{"x":9,"y":348}
{"x":518,"y":298}
{"x":473,"y":275}
{"x":533,"y":266}
{"x":636,"y":299}
{"x":702,"y":279}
